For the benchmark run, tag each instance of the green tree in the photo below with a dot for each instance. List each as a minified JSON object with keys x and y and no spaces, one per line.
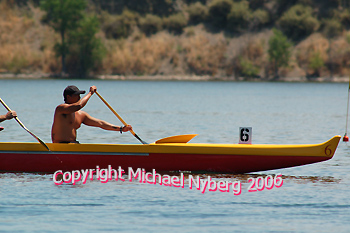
{"x":247,"y":68}
{"x":120,"y":26}
{"x":332,"y":28}
{"x":239,"y":17}
{"x":63,"y":16}
{"x":197,"y":13}
{"x":150,"y":24}
{"x":279,"y":51}
{"x":218,"y":12}
{"x":259,"y":19}
{"x":175,"y":23}
{"x":86,"y":51}
{"x":316,"y":63}
{"x":298,"y":22}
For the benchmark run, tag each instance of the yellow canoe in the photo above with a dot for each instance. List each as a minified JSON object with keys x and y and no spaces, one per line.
{"x":169,"y":154}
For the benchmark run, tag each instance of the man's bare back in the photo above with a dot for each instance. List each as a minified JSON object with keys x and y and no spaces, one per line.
{"x":68,"y":117}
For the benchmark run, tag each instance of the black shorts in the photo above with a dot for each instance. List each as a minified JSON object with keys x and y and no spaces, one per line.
{"x":76,"y":142}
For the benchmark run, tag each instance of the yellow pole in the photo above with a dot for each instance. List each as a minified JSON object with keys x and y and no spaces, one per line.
{"x":119,"y":117}
{"x":25,"y":128}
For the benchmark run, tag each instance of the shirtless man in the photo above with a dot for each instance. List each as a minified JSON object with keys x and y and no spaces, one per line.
{"x":68,"y":117}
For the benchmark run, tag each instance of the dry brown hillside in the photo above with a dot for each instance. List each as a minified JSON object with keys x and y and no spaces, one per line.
{"x":26,"y":46}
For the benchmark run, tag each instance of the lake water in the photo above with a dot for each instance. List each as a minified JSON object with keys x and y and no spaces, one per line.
{"x":313,"y":198}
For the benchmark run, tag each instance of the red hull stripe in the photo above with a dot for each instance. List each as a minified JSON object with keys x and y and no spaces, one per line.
{"x":50,"y":162}
{"x":73,"y":153}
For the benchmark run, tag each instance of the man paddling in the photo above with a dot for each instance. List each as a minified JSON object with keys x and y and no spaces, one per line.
{"x":9,"y":115}
{"x":68,"y":117}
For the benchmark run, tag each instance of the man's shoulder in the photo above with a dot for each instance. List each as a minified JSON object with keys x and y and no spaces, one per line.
{"x":80,"y":112}
{"x":60,"y":106}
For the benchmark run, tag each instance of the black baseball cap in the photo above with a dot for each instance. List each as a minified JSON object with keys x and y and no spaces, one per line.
{"x":71,"y":90}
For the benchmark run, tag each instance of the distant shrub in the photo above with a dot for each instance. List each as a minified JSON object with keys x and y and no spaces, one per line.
{"x":248,"y":61}
{"x":260,"y":18}
{"x":279,"y":51}
{"x":239,"y":16}
{"x":247,"y":68}
{"x":175,"y":23}
{"x":256,"y":4}
{"x":194,"y":1}
{"x":197,"y":13}
{"x":344,"y":18}
{"x":280,"y":7}
{"x":298,"y":22}
{"x":254,"y":51}
{"x":347,"y":38}
{"x":150,"y":24}
{"x":121,"y":26}
{"x":190,"y":31}
{"x":332,"y":28}
{"x":144,"y":56}
{"x":162,"y":7}
{"x":156,"y":7}
{"x":316,"y":63}
{"x":204,"y":56}
{"x":218,"y":12}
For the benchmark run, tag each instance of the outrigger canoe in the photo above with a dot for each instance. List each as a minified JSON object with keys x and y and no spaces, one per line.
{"x":169,"y":154}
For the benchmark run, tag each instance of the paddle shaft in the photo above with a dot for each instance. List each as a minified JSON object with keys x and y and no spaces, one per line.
{"x":25,"y":128}
{"x":347,"y":111}
{"x":119,"y":117}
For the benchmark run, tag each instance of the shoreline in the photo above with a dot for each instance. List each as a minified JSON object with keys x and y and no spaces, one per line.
{"x":178,"y":78}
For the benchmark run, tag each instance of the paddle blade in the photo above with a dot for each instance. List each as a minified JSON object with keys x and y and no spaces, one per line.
{"x":143,"y":142}
{"x":25,"y":128}
{"x":39,"y":140}
{"x":177,"y":139}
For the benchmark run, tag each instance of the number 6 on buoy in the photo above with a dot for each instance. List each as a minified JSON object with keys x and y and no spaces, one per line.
{"x":245,"y":135}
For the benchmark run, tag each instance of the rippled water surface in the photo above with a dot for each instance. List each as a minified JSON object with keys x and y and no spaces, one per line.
{"x":313,"y":198}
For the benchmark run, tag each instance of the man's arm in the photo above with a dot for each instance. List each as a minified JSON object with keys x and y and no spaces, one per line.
{"x":91,"y":121}
{"x":8,"y":116}
{"x":2,"y":118}
{"x":70,"y":108}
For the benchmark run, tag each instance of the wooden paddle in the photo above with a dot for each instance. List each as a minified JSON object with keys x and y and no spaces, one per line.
{"x":121,"y":119}
{"x":21,"y":124}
